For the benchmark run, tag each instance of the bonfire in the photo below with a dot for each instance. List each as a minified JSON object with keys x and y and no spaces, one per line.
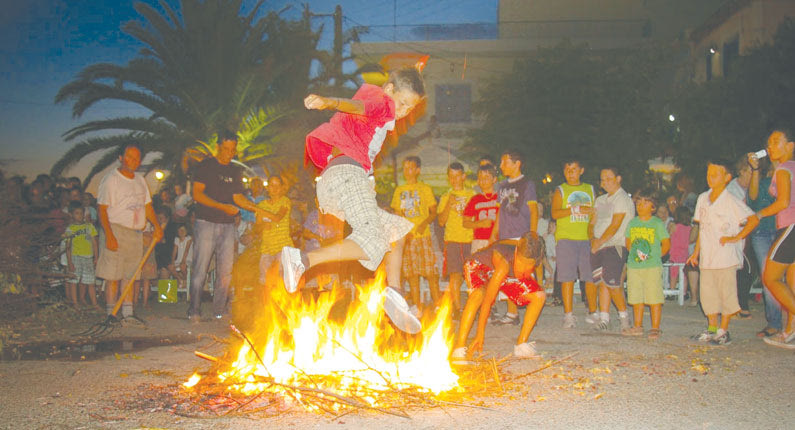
{"x":304,"y":352}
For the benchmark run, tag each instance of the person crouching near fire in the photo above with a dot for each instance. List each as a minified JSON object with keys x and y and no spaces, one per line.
{"x":488,"y":268}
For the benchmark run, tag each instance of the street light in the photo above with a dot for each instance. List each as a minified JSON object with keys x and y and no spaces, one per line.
{"x":671,"y":118}
{"x":159,"y":175}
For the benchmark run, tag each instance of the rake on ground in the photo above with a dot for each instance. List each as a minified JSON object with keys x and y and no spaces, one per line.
{"x":111,"y":321}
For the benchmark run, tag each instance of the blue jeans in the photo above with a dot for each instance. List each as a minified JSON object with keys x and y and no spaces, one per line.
{"x":211,"y":238}
{"x":761,"y":242}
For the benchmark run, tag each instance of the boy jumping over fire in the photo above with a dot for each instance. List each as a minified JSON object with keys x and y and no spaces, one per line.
{"x":490,"y":269}
{"x":344,"y":149}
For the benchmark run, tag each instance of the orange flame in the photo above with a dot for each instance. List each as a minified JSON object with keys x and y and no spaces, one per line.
{"x":309,"y":342}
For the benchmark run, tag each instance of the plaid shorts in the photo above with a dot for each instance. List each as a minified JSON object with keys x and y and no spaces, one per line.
{"x":84,"y":270}
{"x":346,"y":191}
{"x":478,"y":275}
{"x":419,"y":258}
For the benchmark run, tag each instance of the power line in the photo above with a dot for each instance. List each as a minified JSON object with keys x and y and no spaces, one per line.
{"x":412,"y":46}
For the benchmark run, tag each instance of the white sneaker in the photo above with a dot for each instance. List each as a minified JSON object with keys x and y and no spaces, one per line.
{"x":292,"y":268}
{"x":398,"y":311}
{"x":592,"y":318}
{"x":525,"y":350}
{"x":602,"y":325}
{"x":459,"y":357}
{"x":459,"y":353}
{"x":782,"y":340}
{"x":569,"y":321}
{"x":624,"y":322}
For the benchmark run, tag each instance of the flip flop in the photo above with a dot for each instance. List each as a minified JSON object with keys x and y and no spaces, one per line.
{"x":398,"y":311}
{"x":767,"y":332}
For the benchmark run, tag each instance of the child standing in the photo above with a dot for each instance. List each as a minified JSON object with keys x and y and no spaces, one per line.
{"x":717,"y":252}
{"x":414,"y":200}
{"x":492,"y":270}
{"x":647,"y":241}
{"x":572,"y":207}
{"x":81,"y":257}
{"x":183,"y":254}
{"x":481,"y":211}
{"x":682,"y":236}
{"x":457,"y":238}
{"x":275,"y":225}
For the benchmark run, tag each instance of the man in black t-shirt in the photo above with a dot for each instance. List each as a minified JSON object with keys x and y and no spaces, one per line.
{"x":218,"y":193}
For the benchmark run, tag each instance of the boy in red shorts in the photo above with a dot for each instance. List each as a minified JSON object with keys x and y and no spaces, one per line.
{"x":491,"y":270}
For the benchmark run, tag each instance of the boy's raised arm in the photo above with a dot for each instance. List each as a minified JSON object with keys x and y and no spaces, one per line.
{"x":316,"y":102}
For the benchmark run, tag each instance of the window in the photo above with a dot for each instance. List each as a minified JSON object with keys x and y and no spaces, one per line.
{"x":454,"y":103}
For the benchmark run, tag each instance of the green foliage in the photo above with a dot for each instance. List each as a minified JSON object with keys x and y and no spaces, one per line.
{"x":201,"y":69}
{"x":731,"y":116}
{"x":570,"y":100}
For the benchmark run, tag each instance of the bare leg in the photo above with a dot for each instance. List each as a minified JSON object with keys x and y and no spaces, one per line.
{"x":414,"y":286}
{"x":433,"y":285}
{"x":656,"y":315}
{"x":92,"y":294}
{"x":712,"y":320}
{"x":724,"y":322}
{"x":531,"y":315}
{"x":81,"y":294}
{"x":468,"y":317}
{"x":71,"y":293}
{"x":512,"y":308}
{"x":454,"y":290}
{"x":147,"y":286}
{"x":637,"y":311}
{"x":617,"y":294}
{"x":567,"y":292}
{"x":340,"y":251}
{"x":590,"y":294}
{"x":692,"y":281}
{"x":111,"y":293}
{"x":394,"y":262}
{"x":136,"y":291}
{"x":772,"y":277}
{"x":604,"y":298}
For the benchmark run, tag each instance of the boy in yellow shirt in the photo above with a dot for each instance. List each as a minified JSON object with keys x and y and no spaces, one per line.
{"x":414,"y":201}
{"x":457,"y":238}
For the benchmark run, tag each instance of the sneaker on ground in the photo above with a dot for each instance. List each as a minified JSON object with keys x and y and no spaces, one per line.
{"x":592,"y":318}
{"x":459,"y":353}
{"x":508,"y":320}
{"x":704,"y":336}
{"x":525,"y":350}
{"x":602,"y":326}
{"x":782,"y":340}
{"x":459,"y":357}
{"x":494,"y":316}
{"x":723,"y":339}
{"x":292,"y":268}
{"x":624,"y":322}
{"x":398,"y":311}
{"x":569,"y":321}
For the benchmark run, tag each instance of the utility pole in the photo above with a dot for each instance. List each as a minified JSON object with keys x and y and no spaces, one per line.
{"x":334,"y":66}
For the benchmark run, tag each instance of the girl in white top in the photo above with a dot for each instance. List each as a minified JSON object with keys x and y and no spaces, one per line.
{"x":183,"y":252}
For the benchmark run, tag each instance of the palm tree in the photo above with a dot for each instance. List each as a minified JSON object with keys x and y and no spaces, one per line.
{"x":201,"y":70}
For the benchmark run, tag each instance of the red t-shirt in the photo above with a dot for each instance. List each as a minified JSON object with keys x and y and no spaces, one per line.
{"x":482,"y":207}
{"x":357,"y":136}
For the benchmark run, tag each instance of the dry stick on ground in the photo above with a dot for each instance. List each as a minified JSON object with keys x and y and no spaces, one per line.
{"x":496,"y":374}
{"x":343,"y":399}
{"x":547,"y":366}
